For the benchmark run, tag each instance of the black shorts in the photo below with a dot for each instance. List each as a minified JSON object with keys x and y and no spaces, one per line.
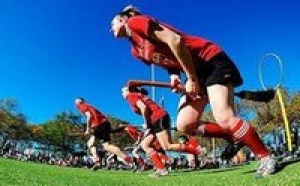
{"x":161,"y":124}
{"x":102,"y":132}
{"x":219,"y":70}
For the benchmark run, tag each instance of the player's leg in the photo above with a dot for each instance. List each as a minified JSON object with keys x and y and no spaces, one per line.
{"x":93,"y":150}
{"x":222,"y":104}
{"x":103,"y":133}
{"x":154,"y":156}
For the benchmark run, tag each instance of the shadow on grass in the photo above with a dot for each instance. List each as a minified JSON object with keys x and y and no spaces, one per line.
{"x":220,"y":170}
{"x":249,"y":172}
{"x":206,"y":171}
{"x":282,"y":165}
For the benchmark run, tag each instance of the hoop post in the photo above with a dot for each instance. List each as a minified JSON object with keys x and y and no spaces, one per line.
{"x":285,"y":119}
{"x":279,"y":95}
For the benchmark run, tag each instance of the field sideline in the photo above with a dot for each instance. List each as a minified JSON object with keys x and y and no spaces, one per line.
{"x":14,"y":172}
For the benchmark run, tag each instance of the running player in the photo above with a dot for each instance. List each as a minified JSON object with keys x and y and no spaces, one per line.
{"x":211,"y":77}
{"x":158,"y":121}
{"x":194,"y":143}
{"x":99,"y":128}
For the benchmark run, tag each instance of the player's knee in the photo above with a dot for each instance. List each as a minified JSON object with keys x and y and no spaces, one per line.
{"x":146,"y":148}
{"x":145,"y":144}
{"x":181,"y":127}
{"x":225,"y":121}
{"x":186,"y":128}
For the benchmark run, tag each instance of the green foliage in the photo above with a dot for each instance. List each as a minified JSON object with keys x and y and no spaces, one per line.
{"x":268,"y":116}
{"x":12,"y":121}
{"x":56,"y":132}
{"x":294,"y":108}
{"x":121,"y":138}
{"x":291,"y":103}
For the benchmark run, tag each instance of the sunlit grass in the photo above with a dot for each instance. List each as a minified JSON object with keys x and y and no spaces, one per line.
{"x":23,"y":173}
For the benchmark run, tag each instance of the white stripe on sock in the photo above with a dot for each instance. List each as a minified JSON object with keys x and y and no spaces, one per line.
{"x":242,"y":131}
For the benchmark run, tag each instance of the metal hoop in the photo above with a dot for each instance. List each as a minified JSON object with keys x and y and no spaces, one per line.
{"x":260,"y":71}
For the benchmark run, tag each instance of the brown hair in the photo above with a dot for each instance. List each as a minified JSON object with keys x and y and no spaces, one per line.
{"x":129,"y":11}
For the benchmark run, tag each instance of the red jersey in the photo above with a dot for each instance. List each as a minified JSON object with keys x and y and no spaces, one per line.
{"x":156,"y":112}
{"x":97,"y":118}
{"x":133,"y":132}
{"x":152,"y":51}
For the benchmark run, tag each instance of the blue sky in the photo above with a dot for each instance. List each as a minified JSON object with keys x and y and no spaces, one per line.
{"x":53,"y":51}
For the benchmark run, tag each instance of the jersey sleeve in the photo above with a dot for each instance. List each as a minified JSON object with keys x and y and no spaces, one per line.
{"x":142,"y":25}
{"x":132,"y":100}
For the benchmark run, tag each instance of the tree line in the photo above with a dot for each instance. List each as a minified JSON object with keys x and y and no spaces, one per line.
{"x":66,"y":127}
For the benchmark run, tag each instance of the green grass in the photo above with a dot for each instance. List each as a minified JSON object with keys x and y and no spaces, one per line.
{"x":24,"y":173}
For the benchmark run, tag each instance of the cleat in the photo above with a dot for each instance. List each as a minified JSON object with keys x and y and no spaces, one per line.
{"x":267,"y":166}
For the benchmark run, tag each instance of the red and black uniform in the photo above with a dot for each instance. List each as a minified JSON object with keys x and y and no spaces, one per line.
{"x":158,"y":148}
{"x":134,"y":133}
{"x":213,"y":66}
{"x":98,"y":122}
{"x":159,"y":118}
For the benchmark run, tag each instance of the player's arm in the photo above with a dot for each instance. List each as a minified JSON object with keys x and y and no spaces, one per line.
{"x":88,"y":122}
{"x":144,"y":112}
{"x":181,"y":52}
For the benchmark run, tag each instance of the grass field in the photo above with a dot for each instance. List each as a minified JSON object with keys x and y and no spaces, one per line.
{"x":24,"y":173}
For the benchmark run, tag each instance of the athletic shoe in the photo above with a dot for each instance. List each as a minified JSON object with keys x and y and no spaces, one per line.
{"x":231,"y":150}
{"x":267,"y":166}
{"x":159,"y":173}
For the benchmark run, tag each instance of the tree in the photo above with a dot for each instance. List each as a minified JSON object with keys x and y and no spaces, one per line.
{"x":293,"y":109}
{"x":12,"y":122}
{"x":269,"y":116}
{"x":56,"y":132}
{"x":121,"y":138}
